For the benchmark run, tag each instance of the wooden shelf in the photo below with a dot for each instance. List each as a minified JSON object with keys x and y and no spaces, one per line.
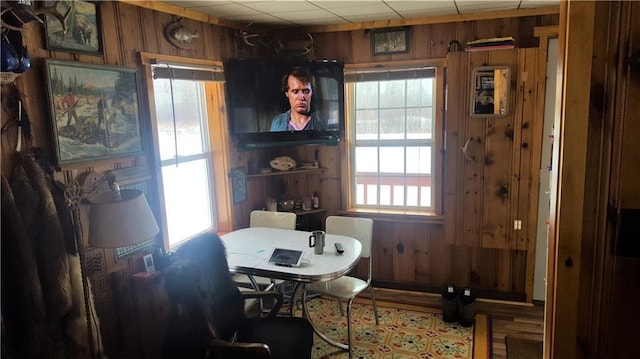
{"x":300,"y":212}
{"x":290,"y":172}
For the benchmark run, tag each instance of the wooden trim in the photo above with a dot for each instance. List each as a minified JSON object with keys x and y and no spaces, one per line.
{"x":185,"y":13}
{"x":489,"y":15}
{"x":219,"y":149}
{"x":147,"y":58}
{"x":437,"y":62}
{"x":567,"y":200}
{"x":546,"y":31}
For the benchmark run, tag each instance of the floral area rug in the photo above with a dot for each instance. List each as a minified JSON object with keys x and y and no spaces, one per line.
{"x":418,"y":332}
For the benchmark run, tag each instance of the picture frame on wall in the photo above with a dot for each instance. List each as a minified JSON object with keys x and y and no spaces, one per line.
{"x":95,"y":111}
{"x":390,"y":41}
{"x":83,"y":32}
{"x":239,"y":184}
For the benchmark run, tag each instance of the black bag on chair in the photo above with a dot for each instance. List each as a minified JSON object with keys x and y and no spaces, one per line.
{"x":207,"y":317}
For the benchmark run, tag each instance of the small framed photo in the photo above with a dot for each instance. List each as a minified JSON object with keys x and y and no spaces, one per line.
{"x":149,"y":266}
{"x":390,"y":41}
{"x":239,"y":184}
{"x":95,"y":111}
{"x":75,"y":27}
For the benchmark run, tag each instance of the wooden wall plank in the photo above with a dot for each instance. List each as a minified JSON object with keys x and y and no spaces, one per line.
{"x":384,"y":251}
{"x":439,"y":260}
{"x":422,"y":246}
{"x":404,"y":236}
{"x":130,"y":34}
{"x":110,"y":34}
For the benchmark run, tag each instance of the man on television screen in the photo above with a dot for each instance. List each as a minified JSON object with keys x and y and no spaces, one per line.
{"x":297,"y":86}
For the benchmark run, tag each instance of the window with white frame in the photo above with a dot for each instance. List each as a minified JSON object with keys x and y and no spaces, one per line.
{"x":185,"y":152}
{"x":391,"y":121}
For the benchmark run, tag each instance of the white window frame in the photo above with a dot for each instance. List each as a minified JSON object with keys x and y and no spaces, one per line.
{"x":216,"y":154}
{"x":436,"y":142}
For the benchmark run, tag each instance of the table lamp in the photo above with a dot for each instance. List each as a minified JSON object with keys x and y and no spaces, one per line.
{"x":117,"y":218}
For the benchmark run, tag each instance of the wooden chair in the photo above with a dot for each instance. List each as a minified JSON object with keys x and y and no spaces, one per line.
{"x":207,"y":317}
{"x":346,"y":287}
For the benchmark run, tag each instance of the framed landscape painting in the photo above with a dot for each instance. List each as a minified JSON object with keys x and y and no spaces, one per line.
{"x":95,"y":111}
{"x":81,"y":31}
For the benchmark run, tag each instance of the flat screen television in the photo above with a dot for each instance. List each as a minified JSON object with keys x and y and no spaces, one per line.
{"x":255,"y":97}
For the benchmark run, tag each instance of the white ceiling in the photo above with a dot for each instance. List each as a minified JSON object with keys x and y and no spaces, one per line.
{"x":293,"y":13}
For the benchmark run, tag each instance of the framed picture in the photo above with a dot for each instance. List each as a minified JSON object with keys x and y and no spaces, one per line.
{"x":83,"y":31}
{"x":95,"y":111}
{"x":390,"y":41}
{"x":239,"y":184}
{"x":149,"y":266}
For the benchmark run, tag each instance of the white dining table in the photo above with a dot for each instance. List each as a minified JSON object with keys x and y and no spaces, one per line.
{"x":248,"y":251}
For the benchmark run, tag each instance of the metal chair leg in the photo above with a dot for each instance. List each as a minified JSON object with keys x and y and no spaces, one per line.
{"x":349,"y":346}
{"x":375,"y":307}
{"x":340,"y":306}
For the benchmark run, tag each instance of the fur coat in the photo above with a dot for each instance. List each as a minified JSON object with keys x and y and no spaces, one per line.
{"x":42,"y":298}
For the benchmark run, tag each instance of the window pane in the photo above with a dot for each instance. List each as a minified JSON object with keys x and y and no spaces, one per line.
{"x":425,"y":196}
{"x":398,"y":195}
{"x":189,"y":114}
{"x":391,"y":159}
{"x":366,"y":124}
{"x":392,"y":94}
{"x":385,"y":195}
{"x":392,"y":124}
{"x":420,"y":123}
{"x":366,"y":159}
{"x":187,"y":199}
{"x":372,"y":194}
{"x":419,"y":159}
{"x":412,"y":195}
{"x":419,"y":92}
{"x":366,"y":95}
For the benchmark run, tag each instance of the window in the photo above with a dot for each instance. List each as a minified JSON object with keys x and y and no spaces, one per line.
{"x":392,"y":140}
{"x":183,"y":149}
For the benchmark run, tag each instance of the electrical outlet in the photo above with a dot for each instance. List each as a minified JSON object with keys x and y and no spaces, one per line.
{"x":517,"y":224}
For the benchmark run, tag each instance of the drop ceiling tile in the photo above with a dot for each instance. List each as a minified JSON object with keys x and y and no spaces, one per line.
{"x":279,"y":6}
{"x":337,"y":4}
{"x":372,"y":17}
{"x":378,"y":8}
{"x":228,"y":10}
{"x":259,"y":18}
{"x":197,"y":3}
{"x":303,"y":15}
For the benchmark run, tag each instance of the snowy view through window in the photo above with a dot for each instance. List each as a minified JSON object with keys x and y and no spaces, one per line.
{"x":185,"y":155}
{"x":393,"y":123}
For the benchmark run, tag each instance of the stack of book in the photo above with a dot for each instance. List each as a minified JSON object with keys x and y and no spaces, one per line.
{"x":495,"y":43}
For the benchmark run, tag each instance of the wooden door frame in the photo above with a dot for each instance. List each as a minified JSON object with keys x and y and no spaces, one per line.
{"x":568,"y":179}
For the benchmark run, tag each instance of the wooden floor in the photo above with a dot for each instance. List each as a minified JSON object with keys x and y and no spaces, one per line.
{"x":507,"y":318}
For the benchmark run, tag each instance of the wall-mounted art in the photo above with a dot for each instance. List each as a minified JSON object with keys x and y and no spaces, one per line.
{"x":95,"y":111}
{"x":239,"y":184}
{"x":390,"y":41}
{"x":73,"y":26}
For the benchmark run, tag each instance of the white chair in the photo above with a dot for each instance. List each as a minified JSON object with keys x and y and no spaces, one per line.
{"x":346,"y":287}
{"x":282,"y":220}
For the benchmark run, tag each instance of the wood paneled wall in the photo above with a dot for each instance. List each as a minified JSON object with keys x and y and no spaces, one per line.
{"x":408,"y":254}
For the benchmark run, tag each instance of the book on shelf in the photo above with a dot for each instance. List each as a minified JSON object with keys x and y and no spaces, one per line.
{"x":490,"y":47}
{"x":492,"y":40}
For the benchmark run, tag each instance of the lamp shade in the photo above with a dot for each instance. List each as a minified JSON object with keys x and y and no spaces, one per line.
{"x":120,"y":222}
